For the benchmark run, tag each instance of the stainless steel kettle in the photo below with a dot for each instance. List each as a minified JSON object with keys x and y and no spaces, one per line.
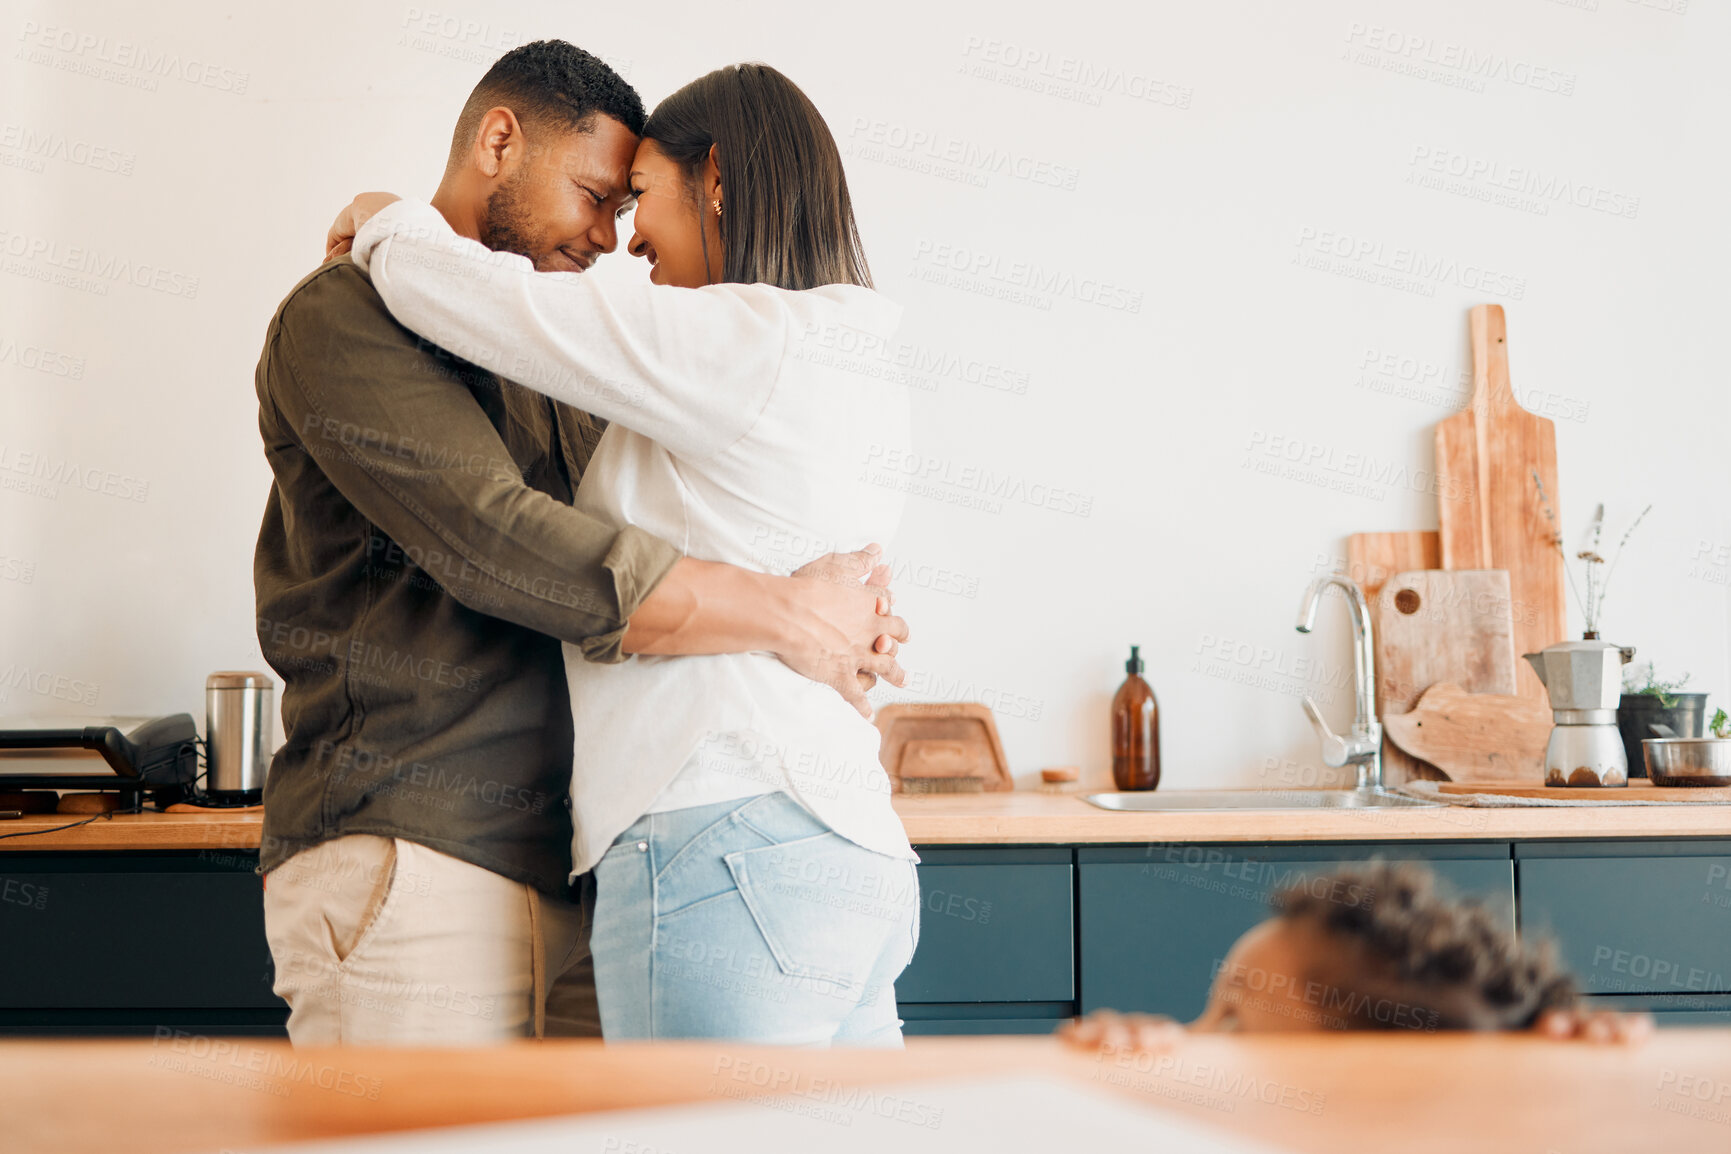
{"x":239,"y":715}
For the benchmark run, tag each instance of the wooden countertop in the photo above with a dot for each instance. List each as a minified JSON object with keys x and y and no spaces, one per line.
{"x":1021,"y":817}
{"x":1307,"y":1092}
{"x":214,"y":830}
{"x":1029,"y":817}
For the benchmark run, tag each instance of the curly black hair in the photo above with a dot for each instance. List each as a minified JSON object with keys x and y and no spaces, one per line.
{"x":1452,"y":962}
{"x":549,"y":83}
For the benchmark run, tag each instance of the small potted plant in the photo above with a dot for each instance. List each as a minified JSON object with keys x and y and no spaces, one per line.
{"x":1649,"y":701}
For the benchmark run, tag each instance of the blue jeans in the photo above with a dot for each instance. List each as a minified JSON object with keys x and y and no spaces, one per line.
{"x":750,"y":920}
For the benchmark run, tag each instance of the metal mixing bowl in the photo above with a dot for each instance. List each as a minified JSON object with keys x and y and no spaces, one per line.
{"x":1688,"y":760}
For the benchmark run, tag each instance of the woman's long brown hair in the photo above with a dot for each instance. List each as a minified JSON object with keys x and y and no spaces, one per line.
{"x":788,"y":220}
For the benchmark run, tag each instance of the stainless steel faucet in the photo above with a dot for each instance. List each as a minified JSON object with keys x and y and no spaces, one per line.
{"x":1363,"y":746}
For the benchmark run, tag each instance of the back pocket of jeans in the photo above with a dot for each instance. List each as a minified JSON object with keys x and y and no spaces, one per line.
{"x":826,"y":907}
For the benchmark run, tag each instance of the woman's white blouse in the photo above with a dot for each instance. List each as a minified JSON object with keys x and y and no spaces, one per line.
{"x":745,"y":421}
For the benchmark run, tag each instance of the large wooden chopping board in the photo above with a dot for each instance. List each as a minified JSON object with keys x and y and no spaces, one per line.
{"x":1371,"y":559}
{"x":1437,"y":625}
{"x":1489,"y":515}
{"x":1485,"y":737}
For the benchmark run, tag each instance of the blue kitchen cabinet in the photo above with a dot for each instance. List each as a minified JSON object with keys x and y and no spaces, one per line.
{"x":987,"y":1018}
{"x":997,"y":948}
{"x":1013,"y":940}
{"x":1647,"y":922}
{"x":1155,"y":922}
{"x":129,"y":943}
{"x":1670,"y":1010}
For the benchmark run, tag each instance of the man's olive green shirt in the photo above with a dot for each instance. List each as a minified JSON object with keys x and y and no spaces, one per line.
{"x":418,"y":567}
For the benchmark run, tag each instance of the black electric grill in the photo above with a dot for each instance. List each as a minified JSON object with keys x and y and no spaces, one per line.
{"x":137,"y":756}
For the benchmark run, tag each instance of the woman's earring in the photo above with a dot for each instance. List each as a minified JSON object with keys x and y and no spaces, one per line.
{"x":717,"y":205}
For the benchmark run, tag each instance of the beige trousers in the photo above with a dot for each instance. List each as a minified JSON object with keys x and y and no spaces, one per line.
{"x":383,"y":942}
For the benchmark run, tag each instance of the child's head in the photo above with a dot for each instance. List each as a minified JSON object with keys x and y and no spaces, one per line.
{"x":1377,"y":948}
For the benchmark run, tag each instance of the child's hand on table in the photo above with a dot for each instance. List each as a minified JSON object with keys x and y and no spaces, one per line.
{"x":1108,"y":1032}
{"x":1604,"y":1026}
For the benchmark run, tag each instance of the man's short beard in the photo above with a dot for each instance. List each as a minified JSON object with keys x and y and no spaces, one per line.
{"x":505,"y":226}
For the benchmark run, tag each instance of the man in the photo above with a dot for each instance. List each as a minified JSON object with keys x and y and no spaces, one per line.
{"x":418,"y":567}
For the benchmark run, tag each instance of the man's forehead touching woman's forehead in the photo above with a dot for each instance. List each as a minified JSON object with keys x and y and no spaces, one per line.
{"x":597,"y":155}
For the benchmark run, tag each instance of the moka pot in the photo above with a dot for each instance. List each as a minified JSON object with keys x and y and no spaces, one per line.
{"x":1585,"y":682}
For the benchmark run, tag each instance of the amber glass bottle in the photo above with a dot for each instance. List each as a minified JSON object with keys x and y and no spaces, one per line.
{"x":1135,"y":730}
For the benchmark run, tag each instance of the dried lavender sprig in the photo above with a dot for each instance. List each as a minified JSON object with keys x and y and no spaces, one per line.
{"x":1595,"y":589}
{"x":1592,"y":610}
{"x":1590,"y":554}
{"x":1557,"y":541}
{"x":1618,"y":556}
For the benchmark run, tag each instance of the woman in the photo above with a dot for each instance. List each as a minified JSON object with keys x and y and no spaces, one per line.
{"x":752,"y":880}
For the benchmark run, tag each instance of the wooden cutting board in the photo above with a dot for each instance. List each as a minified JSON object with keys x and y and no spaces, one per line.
{"x":1433,"y":626}
{"x":941,"y":747}
{"x":1475,"y":737}
{"x":1636,"y":790}
{"x":1371,"y":559}
{"x":1489,"y":514}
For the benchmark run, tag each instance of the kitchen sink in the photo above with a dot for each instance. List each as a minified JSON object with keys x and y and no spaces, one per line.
{"x":1214,"y":800}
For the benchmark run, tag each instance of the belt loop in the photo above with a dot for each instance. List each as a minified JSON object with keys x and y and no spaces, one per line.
{"x":537,"y":962}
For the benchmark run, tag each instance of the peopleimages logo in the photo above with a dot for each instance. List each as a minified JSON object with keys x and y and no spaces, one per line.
{"x":39,"y":359}
{"x":918,"y":366}
{"x":461,"y":29}
{"x":927,"y":475}
{"x":988,"y":270}
{"x":80,"y":261}
{"x":1542,"y":189}
{"x":23,"y":470}
{"x":1397,"y":266}
{"x":44,"y":683}
{"x":1066,"y":77}
{"x":886,"y":141}
{"x":39,"y":146}
{"x":85,"y":52}
{"x":1428,"y":58}
{"x":1377,"y":475}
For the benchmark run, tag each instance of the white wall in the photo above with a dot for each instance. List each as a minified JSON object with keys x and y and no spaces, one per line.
{"x":1208,"y":150}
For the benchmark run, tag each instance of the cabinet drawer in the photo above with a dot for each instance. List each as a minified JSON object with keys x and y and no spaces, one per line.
{"x":90,"y":932}
{"x":1670,"y":1010}
{"x":994,"y":927}
{"x":937,"y":1027}
{"x":1155,"y":923}
{"x":1633,"y":923}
